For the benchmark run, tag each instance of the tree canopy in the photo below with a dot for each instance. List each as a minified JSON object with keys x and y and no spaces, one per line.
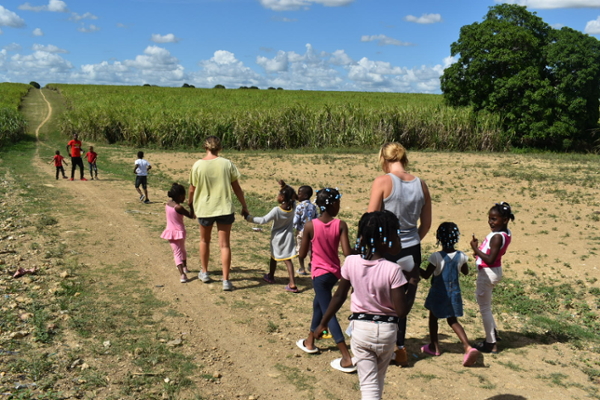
{"x":544,"y":83}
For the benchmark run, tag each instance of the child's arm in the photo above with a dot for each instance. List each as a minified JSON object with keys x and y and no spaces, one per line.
{"x":425,"y":274}
{"x":65,"y":161}
{"x":306,"y":238}
{"x":399,"y":301}
{"x":135,"y":169}
{"x":263,"y":220}
{"x":344,"y":241}
{"x":495,"y":245}
{"x":464,"y":269}
{"x":338,"y":299}
{"x":181,"y":210}
{"x":95,"y":158}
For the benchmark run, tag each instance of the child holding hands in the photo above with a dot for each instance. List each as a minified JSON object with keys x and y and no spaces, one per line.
{"x":282,"y":235}
{"x":444,"y":299}
{"x":379,"y":298}
{"x":326,"y":233}
{"x":488,"y":257}
{"x":175,"y":231}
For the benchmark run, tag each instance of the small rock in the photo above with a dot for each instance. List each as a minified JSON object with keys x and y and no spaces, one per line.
{"x":137,"y":351}
{"x":26,"y":316}
{"x":106,"y":344}
{"x":216,"y":375}
{"x":77,"y":362}
{"x":175,"y":343}
{"x":84,"y":366}
{"x":18,"y":335}
{"x":251,"y":397}
{"x":64,"y":274}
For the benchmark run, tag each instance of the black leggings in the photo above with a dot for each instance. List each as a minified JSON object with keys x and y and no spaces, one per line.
{"x":76,"y":161}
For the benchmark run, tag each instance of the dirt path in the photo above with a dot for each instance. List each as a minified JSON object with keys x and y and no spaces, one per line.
{"x":247,"y":336}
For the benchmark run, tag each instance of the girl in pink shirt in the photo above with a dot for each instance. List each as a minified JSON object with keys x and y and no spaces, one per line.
{"x":175,"y":231}
{"x":378,"y":300}
{"x":326,"y":234}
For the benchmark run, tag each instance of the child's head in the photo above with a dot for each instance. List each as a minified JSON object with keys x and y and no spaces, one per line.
{"x":392,"y":152}
{"x":499,"y":215}
{"x":328,"y":200}
{"x":91,"y":148}
{"x":305,"y":192}
{"x":57,"y":152}
{"x":447,"y":235}
{"x":177,"y":192}
{"x":286,"y":196}
{"x":377,"y":231}
{"x":140,"y":154}
{"x":212,"y":144}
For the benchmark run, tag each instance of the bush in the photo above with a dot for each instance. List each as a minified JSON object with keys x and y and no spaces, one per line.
{"x":35,"y":84}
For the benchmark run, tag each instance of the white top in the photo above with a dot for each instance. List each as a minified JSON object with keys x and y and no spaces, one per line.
{"x":142,"y":167}
{"x":438,"y":260}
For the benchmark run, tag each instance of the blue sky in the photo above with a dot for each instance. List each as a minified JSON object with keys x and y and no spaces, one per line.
{"x":360,"y":45}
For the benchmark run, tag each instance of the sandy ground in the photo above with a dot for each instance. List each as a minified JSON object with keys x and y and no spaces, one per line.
{"x":248,"y":335}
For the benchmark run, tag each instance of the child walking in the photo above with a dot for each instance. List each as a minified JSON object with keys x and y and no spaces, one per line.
{"x":379,"y":298}
{"x":326,"y":234}
{"x":58,"y":161}
{"x":282,"y":235}
{"x":140,"y":169}
{"x":305,"y":212}
{"x":488,"y":257}
{"x":444,"y":299}
{"x":175,"y":231}
{"x":91,"y":157}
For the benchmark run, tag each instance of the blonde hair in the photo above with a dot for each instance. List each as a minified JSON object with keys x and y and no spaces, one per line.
{"x":212,"y":144}
{"x":393,"y":152}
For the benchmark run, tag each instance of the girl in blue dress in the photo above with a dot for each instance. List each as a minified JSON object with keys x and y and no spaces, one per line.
{"x":444,"y":299}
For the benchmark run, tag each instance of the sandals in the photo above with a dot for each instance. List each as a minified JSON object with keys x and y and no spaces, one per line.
{"x":426,"y":349}
{"x":291,"y":289}
{"x":470,"y":357}
{"x":301,"y":346}
{"x":337,"y":364}
{"x":268,"y":279}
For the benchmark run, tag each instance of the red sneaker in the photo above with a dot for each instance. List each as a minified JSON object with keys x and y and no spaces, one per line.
{"x":83,"y":179}
{"x":71,"y":179}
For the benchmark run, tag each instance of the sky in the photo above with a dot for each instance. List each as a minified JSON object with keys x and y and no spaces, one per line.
{"x":334,"y":45}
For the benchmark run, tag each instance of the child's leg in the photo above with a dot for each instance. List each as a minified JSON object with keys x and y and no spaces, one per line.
{"x":178,"y":255}
{"x":290,"y":268}
{"x":301,"y":270}
{"x":62,"y":170}
{"x":57,"y":170}
{"x":272,"y":268}
{"x":460,"y":332}
{"x":434,"y":344}
{"x":95,"y":169}
{"x":486,"y":280}
{"x":91,"y":170}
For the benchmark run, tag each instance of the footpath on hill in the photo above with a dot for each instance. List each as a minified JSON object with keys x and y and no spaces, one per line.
{"x":244,"y":341}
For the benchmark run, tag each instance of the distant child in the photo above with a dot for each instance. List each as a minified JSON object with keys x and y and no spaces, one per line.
{"x":305,"y":211}
{"x":141,"y":169}
{"x":58,"y":161}
{"x":282,"y":235}
{"x":91,"y":157}
{"x":175,"y":231}
{"x":444,"y":299}
{"x":379,"y":298}
{"x":326,"y":234}
{"x":488,"y":258}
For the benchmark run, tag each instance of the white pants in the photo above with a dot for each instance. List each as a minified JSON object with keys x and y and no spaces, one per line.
{"x":373,"y":347}
{"x":487,"y":278}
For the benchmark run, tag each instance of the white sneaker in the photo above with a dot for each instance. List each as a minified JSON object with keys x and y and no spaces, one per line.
{"x":227,"y":286}
{"x":203,"y":276}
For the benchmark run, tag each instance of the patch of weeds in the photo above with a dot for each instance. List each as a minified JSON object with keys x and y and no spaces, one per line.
{"x":272,"y":327}
{"x":510,"y":365}
{"x":485,"y":382}
{"x":56,"y":252}
{"x":44,"y":221}
{"x":300,"y":381}
{"x":41,"y":332}
{"x":426,"y":377}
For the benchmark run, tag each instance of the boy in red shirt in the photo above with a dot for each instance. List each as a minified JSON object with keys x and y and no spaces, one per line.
{"x":91,"y":157}
{"x":74,"y":149}
{"x":58,"y":160}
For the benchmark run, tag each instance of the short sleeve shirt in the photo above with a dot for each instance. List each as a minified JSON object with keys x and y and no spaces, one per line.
{"x":142,"y":167}
{"x":91,"y":156}
{"x":75,"y":148}
{"x":58,"y":160}
{"x":437,"y":259}
{"x":372,"y":281}
{"x":212,"y":179}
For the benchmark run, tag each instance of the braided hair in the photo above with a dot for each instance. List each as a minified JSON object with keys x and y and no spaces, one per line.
{"x":447,"y":234}
{"x":176,"y":190}
{"x":375,"y":229}
{"x":326,"y":197}
{"x":289,"y":195}
{"x":503,"y":208}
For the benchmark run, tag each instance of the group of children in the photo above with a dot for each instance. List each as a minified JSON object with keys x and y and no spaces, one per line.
{"x":58,"y":161}
{"x":378,"y":297}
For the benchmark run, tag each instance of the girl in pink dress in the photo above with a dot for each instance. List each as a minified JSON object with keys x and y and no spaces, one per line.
{"x":175,"y":231}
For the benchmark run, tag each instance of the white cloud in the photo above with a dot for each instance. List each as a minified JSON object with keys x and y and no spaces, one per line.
{"x":10,"y":19}
{"x":593,"y":27}
{"x":53,"y":6}
{"x":77,"y":17}
{"x":168,"y":38}
{"x":339,"y":57}
{"x":12,"y":47}
{"x":88,"y":29}
{"x":277,"y":64}
{"x":50,"y":48}
{"x":550,"y":4}
{"x":291,"y":5}
{"x":225,"y":69}
{"x":155,"y":59}
{"x":383,"y":40}
{"x":424,"y":19}
{"x":37,"y":32}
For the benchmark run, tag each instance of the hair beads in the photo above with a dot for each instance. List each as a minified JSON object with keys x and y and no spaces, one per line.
{"x":374,"y":229}
{"x":326,"y":197}
{"x":447,"y":234}
{"x":503,"y":208}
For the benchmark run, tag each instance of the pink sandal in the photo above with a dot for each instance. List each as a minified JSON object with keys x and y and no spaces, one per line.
{"x":426,"y":349}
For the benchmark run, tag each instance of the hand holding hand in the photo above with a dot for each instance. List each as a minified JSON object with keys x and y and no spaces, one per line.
{"x":318,"y":333}
{"x":245,"y":213}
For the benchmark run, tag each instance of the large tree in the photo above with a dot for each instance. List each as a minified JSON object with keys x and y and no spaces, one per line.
{"x":544,"y":82}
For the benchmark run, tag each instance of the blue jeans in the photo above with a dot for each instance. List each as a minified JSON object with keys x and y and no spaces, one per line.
{"x":323,"y":285}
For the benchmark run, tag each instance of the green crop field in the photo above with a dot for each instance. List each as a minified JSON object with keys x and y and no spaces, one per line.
{"x":12,"y":123}
{"x":272,"y":119}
